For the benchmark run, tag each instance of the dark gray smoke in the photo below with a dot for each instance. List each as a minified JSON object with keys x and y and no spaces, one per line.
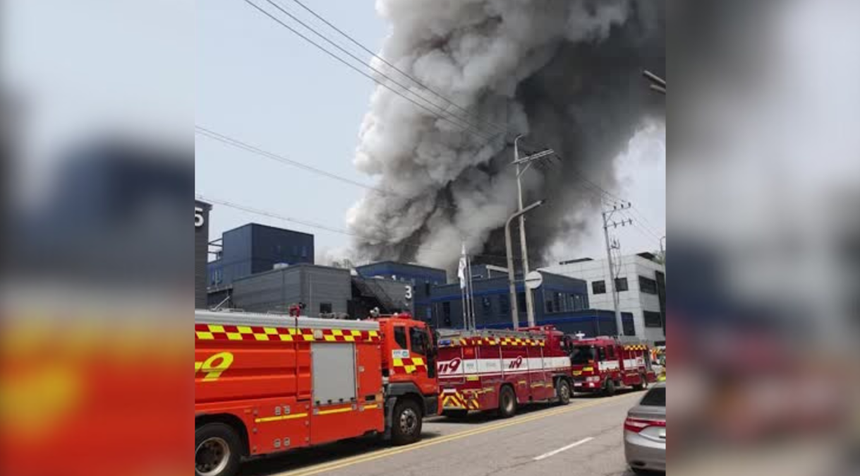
{"x":567,"y":73}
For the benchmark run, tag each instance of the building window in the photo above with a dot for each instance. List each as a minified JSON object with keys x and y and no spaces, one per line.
{"x":446,"y":313}
{"x":427,"y":289}
{"x":505,"y":305}
{"x":628,"y":325}
{"x":486,"y":307}
{"x":598,"y":287}
{"x":548,"y":305}
{"x":304,"y":251}
{"x":621,"y":284}
{"x":521,"y":302}
{"x":325,"y":308}
{"x":648,"y":286}
{"x":653,"y":319}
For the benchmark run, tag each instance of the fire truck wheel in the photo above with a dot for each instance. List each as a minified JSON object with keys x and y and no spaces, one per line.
{"x":217,"y":450}
{"x":563,"y":391}
{"x":406,"y":426}
{"x":507,"y":402}
{"x":609,"y":389}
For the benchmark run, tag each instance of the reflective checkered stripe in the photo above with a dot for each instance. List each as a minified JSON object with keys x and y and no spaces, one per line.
{"x":453,"y":400}
{"x":281,"y":334}
{"x":459,"y":401}
{"x":408,"y":366}
{"x":635,"y":347}
{"x":502,"y":341}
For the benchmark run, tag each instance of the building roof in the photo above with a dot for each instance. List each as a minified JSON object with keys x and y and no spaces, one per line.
{"x":577,"y":260}
{"x":260,"y":225}
{"x":397,"y":264}
{"x":291,"y":267}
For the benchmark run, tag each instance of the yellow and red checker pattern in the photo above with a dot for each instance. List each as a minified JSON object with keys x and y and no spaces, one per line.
{"x":635,"y":347}
{"x":504,"y":341}
{"x":281,"y":334}
{"x":408,"y":366}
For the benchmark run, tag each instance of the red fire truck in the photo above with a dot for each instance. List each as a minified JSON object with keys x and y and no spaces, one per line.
{"x":270,"y":383}
{"x":498,"y":370}
{"x":603,"y":364}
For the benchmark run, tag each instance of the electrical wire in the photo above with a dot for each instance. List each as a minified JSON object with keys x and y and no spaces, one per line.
{"x":279,"y":158}
{"x":460,"y":126}
{"x":498,"y":127}
{"x":233,"y":142}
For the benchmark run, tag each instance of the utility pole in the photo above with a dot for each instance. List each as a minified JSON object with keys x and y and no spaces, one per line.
{"x":515,"y":313}
{"x":607,"y":215}
{"x":663,"y":253}
{"x":522,"y":165}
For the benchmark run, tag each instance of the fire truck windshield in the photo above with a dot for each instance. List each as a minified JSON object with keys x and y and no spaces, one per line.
{"x":582,"y":354}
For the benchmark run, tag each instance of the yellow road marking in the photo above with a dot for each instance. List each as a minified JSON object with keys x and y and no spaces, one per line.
{"x":325,"y":467}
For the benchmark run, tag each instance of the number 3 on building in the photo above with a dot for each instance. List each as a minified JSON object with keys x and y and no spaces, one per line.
{"x":408,"y":292}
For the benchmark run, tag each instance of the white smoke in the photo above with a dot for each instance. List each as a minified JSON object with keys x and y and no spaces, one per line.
{"x":520,"y":64}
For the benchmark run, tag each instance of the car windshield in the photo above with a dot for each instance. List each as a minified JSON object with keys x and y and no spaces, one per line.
{"x":582,"y":354}
{"x":656,"y":397}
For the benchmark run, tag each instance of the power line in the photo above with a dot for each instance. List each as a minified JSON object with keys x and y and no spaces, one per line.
{"x":256,"y":211}
{"x":475,"y":132}
{"x":644,"y":231}
{"x":468,"y":113}
{"x":279,"y":158}
{"x":233,"y":142}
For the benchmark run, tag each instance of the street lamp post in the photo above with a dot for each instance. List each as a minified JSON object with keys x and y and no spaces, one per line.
{"x":511,"y":280}
{"x":657,"y":83}
{"x":523,"y":165}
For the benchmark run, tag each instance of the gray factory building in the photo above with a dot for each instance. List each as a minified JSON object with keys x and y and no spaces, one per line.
{"x":201,"y":252}
{"x":324,"y":290}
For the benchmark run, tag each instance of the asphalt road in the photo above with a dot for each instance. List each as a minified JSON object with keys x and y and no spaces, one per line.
{"x":582,"y":438}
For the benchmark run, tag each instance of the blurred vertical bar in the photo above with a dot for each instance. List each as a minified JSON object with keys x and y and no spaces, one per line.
{"x":763,"y":174}
{"x":96,"y":291}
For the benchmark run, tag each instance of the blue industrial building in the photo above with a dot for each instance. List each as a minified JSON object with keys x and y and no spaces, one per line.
{"x":422,"y":280}
{"x":255,"y":248}
{"x":560,"y":301}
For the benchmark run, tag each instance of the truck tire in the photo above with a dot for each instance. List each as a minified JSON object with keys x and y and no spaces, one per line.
{"x":609,"y":389}
{"x":507,"y":402}
{"x":406,"y":423}
{"x":217,"y":450}
{"x":562,"y":391}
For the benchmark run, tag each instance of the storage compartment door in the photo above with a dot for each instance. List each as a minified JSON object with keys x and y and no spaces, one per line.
{"x":333,"y":373}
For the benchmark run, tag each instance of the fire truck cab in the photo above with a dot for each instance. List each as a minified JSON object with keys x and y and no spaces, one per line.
{"x":271,"y":383}
{"x":604,"y":364}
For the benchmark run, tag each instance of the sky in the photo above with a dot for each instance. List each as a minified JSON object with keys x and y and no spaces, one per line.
{"x":261,"y":84}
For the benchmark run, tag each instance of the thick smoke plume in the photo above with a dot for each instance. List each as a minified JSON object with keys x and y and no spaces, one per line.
{"x":566,"y":73}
